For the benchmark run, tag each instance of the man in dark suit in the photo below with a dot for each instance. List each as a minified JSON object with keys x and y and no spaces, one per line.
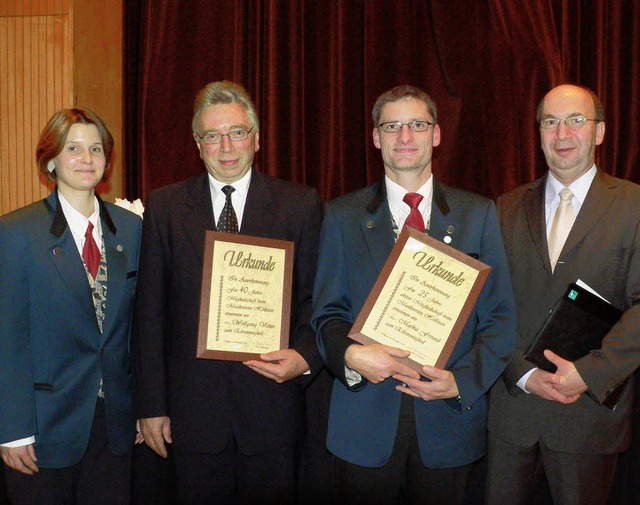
{"x":235,"y":427}
{"x":399,"y":437}
{"x":555,"y":421}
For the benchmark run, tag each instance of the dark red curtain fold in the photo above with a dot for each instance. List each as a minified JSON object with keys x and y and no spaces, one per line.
{"x":315,"y":68}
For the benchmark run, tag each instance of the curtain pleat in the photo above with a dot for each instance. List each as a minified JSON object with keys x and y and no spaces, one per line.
{"x":315,"y":67}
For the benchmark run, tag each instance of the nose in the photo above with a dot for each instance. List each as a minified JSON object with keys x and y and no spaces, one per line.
{"x":405,"y":134}
{"x":225,"y":143}
{"x":563,"y":131}
{"x":86,"y":157}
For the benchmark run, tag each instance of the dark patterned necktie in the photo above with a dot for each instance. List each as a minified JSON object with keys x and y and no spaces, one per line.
{"x":90,"y":252}
{"x":414,"y":219}
{"x":228,"y":222}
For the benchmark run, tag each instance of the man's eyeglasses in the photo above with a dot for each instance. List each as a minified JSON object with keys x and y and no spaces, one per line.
{"x":214,"y":137}
{"x":573,"y":122}
{"x":416,"y":126}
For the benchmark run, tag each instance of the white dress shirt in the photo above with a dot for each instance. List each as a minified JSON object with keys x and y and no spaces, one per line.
{"x":238,"y":197}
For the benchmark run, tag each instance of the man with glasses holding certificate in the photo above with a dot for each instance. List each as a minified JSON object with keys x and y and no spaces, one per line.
{"x":574,"y":223}
{"x":400,"y":436}
{"x":235,"y":428}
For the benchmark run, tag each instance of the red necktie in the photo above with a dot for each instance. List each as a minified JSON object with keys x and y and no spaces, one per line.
{"x":90,"y":252}
{"x":415,"y":218}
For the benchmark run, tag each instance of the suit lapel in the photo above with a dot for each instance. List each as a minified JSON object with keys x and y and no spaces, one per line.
{"x":199,"y":214}
{"x":257,"y":216}
{"x":534,"y":210}
{"x":599,"y":198}
{"x":65,"y":257}
{"x":442,"y":223}
{"x":376,"y":225}
{"x":116,"y":276}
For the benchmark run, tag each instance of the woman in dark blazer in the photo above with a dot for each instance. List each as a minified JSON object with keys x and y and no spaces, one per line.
{"x":68,"y":267}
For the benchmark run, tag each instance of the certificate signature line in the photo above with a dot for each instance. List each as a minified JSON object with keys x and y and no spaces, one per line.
{"x":219,"y":308}
{"x":386,"y":307}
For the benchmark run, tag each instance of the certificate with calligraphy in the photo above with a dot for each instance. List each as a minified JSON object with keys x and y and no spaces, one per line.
{"x":421,"y":299}
{"x":246,"y":296}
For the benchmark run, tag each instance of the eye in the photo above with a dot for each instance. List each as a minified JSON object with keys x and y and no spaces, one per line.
{"x":237,"y":133}
{"x":72,"y":149}
{"x":549,"y":122}
{"x":96,"y":149}
{"x":420,"y":125}
{"x":211,"y":136}
{"x":391,"y":127}
{"x":576,"y":121}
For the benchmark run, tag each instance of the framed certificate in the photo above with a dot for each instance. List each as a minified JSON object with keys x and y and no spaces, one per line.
{"x":245,"y":304}
{"x":421,"y":299}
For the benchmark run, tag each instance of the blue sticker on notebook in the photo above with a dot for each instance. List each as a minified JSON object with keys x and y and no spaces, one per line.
{"x":573,"y":294}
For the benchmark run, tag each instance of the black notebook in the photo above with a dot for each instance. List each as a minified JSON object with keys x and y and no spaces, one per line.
{"x":576,"y":324}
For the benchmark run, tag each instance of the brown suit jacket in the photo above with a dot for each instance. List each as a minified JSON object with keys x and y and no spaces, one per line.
{"x":603,"y":250}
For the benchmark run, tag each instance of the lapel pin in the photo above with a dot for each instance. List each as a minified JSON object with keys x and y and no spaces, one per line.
{"x":371,"y":224}
{"x":450,"y":229}
{"x":119,"y":248}
{"x":55,"y":251}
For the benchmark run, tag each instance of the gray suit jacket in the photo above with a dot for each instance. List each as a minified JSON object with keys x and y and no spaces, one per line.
{"x":603,"y":251}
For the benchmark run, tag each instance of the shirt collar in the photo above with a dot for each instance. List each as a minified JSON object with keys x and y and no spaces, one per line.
{"x":78,"y":222}
{"x":579,"y":187}
{"x":241,"y":186}
{"x":399,"y":209}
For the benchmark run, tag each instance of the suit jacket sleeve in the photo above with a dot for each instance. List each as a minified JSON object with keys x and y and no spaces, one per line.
{"x":149,"y":336}
{"x":333,"y":315}
{"x":495,"y":330}
{"x":306,"y":260}
{"x":604,"y":369}
{"x":17,"y":400}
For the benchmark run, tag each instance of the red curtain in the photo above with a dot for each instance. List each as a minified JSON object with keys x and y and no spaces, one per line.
{"x":315,"y":67}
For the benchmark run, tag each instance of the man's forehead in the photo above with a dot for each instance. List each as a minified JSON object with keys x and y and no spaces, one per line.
{"x":224,"y":114}
{"x":569,"y":101}
{"x":404,"y":105}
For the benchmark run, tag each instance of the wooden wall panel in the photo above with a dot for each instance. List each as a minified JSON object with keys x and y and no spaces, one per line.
{"x":36,"y":66}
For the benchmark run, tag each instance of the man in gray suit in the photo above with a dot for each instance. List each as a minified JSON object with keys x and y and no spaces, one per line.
{"x":556,"y":421}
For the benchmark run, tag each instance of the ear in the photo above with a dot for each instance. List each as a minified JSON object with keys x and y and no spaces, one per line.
{"x":436,"y":135}
{"x":600,"y":132}
{"x":376,"y":138}
{"x":257,"y":142}
{"x":197,"y":139}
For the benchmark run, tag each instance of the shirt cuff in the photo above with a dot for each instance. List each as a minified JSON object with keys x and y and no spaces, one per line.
{"x":352,"y":377}
{"x":522,"y":383}
{"x":20,"y":443}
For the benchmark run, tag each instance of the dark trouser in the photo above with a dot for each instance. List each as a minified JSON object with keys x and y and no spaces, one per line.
{"x":404,"y":479}
{"x":574,"y":479}
{"x":101,"y":478}
{"x":233,"y":477}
